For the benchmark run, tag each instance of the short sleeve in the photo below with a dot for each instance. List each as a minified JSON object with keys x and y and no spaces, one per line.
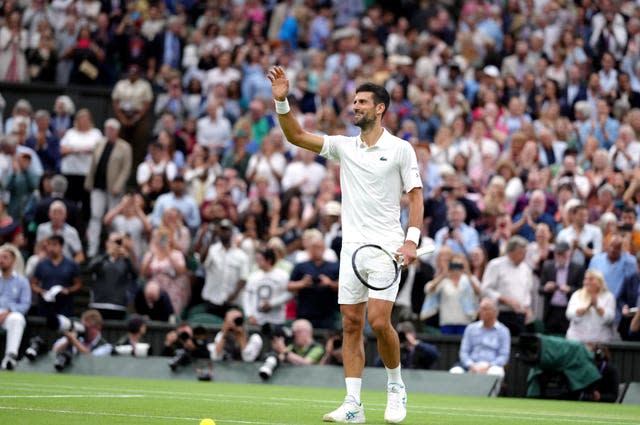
{"x":409,"y":168}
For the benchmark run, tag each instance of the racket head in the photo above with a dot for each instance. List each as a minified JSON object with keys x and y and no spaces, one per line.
{"x":375,"y":267}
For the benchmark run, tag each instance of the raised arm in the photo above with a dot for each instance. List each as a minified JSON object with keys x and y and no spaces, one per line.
{"x":290,"y":127}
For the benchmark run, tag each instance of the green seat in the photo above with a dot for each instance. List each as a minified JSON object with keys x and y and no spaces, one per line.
{"x":204,"y":319}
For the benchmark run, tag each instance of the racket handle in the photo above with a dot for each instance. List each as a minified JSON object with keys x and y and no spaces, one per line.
{"x":426,"y":249}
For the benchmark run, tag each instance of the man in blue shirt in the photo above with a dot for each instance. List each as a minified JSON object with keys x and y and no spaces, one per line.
{"x":15,"y":300}
{"x":486,"y":344}
{"x":180,"y":200}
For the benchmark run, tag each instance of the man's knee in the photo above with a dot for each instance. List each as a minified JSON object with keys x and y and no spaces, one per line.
{"x":15,"y":320}
{"x":496,"y":371}
{"x":457,"y":370}
{"x":352,"y":323}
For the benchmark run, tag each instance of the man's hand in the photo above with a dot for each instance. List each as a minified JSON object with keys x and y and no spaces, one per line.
{"x":408,"y":252}
{"x":279,"y":83}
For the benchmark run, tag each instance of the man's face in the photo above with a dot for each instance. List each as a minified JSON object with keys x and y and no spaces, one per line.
{"x":614,"y":250}
{"x":57,"y":216}
{"x":6,"y":260}
{"x":54,"y":248}
{"x":517,"y":255}
{"x":562,"y":258}
{"x":487,"y":314}
{"x":364,"y":110}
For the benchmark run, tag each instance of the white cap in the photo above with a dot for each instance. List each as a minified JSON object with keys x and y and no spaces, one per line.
{"x":492,"y":71}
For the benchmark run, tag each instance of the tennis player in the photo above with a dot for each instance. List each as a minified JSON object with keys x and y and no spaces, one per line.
{"x":375,"y":169}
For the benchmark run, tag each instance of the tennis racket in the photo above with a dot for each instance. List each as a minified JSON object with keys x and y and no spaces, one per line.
{"x":378,"y":268}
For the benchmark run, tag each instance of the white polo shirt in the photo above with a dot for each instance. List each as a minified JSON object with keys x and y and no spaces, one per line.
{"x":372,"y":180}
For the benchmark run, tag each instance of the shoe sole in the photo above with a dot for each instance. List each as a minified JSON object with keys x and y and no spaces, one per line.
{"x":327,"y":418}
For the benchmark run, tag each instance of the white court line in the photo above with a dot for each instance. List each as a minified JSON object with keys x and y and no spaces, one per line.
{"x":505,"y":413}
{"x":75,"y":396}
{"x":130,"y":415}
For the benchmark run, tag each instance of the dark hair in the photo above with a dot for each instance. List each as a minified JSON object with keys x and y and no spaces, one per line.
{"x":56,"y":238}
{"x":380,"y":94}
{"x":269,"y":255}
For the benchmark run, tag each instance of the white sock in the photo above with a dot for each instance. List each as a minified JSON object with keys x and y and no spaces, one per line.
{"x":394,"y":376}
{"x":353,"y":387}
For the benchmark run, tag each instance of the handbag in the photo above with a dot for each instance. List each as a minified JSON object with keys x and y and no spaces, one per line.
{"x":88,"y":69}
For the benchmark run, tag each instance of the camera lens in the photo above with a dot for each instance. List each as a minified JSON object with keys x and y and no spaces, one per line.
{"x":238,"y":321}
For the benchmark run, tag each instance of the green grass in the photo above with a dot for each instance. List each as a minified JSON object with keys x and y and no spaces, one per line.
{"x":61,"y":399}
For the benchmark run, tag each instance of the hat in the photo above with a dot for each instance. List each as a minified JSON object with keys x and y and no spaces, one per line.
{"x":346,"y":32}
{"x":561,"y":247}
{"x":491,"y":71}
{"x":332,"y":208}
{"x":400,"y":60}
{"x":225,"y":223}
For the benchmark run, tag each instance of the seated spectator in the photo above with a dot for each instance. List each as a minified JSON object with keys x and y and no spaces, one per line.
{"x":591,"y":310}
{"x":414,"y":353}
{"x":57,"y":226}
{"x":454,"y":294}
{"x":232,"y":342}
{"x":114,"y":275}
{"x":132,"y":343}
{"x":89,"y":342}
{"x":153,"y":302}
{"x":486,"y":344}
{"x":15,"y":300}
{"x":55,"y":279}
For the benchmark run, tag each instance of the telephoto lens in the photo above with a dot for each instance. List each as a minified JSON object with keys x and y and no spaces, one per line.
{"x":270,"y":364}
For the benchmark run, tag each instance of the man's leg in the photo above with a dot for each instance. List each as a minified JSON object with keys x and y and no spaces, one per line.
{"x":14,"y":324}
{"x":389,"y":350}
{"x":98,"y":209}
{"x":351,"y":410}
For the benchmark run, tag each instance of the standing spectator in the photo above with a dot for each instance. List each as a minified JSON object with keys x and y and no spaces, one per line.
{"x":226,"y":270}
{"x":63,"y":112}
{"x":86,"y":57}
{"x":15,"y":300}
{"x":166,"y":265}
{"x":57,"y":225}
{"x":524,"y":223}
{"x":77,"y":146}
{"x":559,"y":279}
{"x":54,"y":189}
{"x":315,"y":283}
{"x":585,"y":239}
{"x":14,"y":41}
{"x":591,"y":310}
{"x":157,"y":163}
{"x":486,"y":344}
{"x":106,"y":179}
{"x":509,"y":281}
{"x":266,"y":292}
{"x":458,"y":235}
{"x":56,"y":278}
{"x":45,"y":143}
{"x":20,"y":184}
{"x":627,"y":299}
{"x":153,"y":302}
{"x":131,"y":98}
{"x":114,"y":276}
{"x":179,"y":199}
{"x":128,"y":217}
{"x":173,"y":101}
{"x":214,"y":130}
{"x":266,"y":163}
{"x":167,"y":47}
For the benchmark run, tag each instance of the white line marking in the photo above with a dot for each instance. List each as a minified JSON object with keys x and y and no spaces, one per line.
{"x":76,"y":396}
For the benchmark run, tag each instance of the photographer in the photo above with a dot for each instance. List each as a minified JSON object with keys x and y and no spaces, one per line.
{"x":333,"y":350}
{"x":231,"y":343}
{"x":303,"y":350}
{"x":184,"y":344}
{"x":132,"y":342}
{"x":113,"y":276}
{"x":414,"y":354}
{"x":90,"y":341}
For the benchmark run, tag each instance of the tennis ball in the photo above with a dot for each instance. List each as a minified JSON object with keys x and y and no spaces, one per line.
{"x":207,"y":421}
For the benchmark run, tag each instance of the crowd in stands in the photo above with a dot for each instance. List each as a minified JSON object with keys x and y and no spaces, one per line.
{"x":524,"y":114}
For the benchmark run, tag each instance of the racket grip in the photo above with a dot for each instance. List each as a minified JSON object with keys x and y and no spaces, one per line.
{"x":426,"y":249}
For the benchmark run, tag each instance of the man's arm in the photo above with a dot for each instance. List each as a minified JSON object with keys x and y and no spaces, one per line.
{"x":23,"y":302}
{"x":416,"y":214}
{"x":290,"y":127}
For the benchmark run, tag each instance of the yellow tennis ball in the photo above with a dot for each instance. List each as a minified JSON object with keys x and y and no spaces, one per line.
{"x":207,"y":421}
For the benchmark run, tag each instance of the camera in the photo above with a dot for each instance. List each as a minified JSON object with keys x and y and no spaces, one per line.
{"x":270,"y":364}
{"x":271,"y":331}
{"x":238,"y":321}
{"x":35,"y":348}
{"x":63,"y":324}
{"x":456,"y":266}
{"x":446,"y":188}
{"x":180,"y":358}
{"x":63,"y":360}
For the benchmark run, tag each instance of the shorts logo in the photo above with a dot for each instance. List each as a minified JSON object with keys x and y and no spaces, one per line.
{"x":383,"y":158}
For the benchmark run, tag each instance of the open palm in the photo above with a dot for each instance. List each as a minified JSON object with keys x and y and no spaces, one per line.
{"x":279,"y":83}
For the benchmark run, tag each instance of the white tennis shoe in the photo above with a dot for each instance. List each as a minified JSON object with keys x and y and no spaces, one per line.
{"x":350,"y":412}
{"x":396,"y":409}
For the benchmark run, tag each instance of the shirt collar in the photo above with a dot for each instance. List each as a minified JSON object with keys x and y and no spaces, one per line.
{"x":382,"y":142}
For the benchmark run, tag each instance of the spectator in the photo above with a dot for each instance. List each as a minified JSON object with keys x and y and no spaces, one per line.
{"x":214,"y":130}
{"x":63,"y":112}
{"x":486,"y":344}
{"x":585,"y":239}
{"x":54,"y":189}
{"x":166,"y":265}
{"x":156,"y":163}
{"x":57,"y":225}
{"x":129,"y":218}
{"x":591,"y":310}
{"x":20,"y":184}
{"x":114,"y":276}
{"x":535,"y":212}
{"x":315,"y":283}
{"x":132,"y":97}
{"x":226,"y":270}
{"x":559,"y":279}
{"x":606,"y":389}
{"x":56,"y":278}
{"x":45,"y":143}
{"x":14,"y":41}
{"x":153,"y":302}
{"x":106,"y":179}
{"x":86,"y":58}
{"x":458,"y":235}
{"x":77,"y":146}
{"x":509,"y":281}
{"x":91,"y":342}
{"x":495,"y":237}
{"x":232,"y":343}
{"x":179,"y":199}
{"x":454,"y":294}
{"x":266,"y":292}
{"x":303,"y":350}
{"x":627,"y":300}
{"x":185,"y":343}
{"x":15,"y":300}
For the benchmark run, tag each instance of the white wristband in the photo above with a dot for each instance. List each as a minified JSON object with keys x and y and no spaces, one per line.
{"x":282,"y":107}
{"x":413,"y":235}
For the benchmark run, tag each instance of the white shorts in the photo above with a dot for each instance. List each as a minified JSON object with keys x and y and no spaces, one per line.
{"x":351,"y":290}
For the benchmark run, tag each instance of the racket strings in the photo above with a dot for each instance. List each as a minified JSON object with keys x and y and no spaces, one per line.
{"x":375,"y":266}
